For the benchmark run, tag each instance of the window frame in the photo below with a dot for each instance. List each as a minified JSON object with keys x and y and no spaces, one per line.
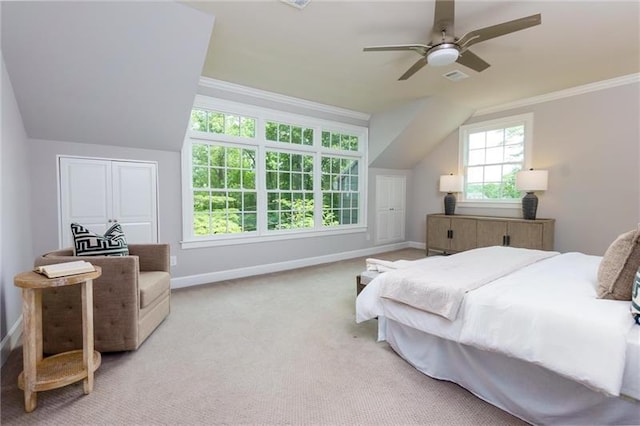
{"x":262,"y":145}
{"x":463,"y":152}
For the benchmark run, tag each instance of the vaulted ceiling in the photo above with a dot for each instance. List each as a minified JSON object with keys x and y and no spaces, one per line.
{"x":316,"y":53}
{"x":126,"y":73}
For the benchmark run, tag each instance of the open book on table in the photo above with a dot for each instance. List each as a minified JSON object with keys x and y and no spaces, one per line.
{"x":64,"y":269}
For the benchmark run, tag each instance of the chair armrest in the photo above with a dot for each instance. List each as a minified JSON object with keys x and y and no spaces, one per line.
{"x":153,"y":257}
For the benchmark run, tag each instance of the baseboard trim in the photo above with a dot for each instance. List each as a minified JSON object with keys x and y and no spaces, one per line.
{"x":231,"y":274}
{"x":417,"y":245}
{"x":11,"y":340}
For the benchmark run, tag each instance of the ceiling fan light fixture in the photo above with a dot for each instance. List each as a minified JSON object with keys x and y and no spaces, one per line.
{"x":442,"y":55}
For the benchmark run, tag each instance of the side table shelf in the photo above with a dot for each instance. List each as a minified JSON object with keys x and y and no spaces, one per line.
{"x":60,"y":370}
{"x":41,"y":374}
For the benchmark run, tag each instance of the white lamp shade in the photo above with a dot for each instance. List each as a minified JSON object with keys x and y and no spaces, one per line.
{"x":451,"y":183}
{"x":442,"y":57}
{"x":532,"y":180}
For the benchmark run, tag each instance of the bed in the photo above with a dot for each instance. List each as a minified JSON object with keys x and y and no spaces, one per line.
{"x":524,"y":332}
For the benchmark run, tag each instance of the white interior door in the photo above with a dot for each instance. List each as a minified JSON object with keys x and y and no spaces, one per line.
{"x":98,"y":193}
{"x":390,"y":208}
{"x":85,"y":196}
{"x":134,"y":200}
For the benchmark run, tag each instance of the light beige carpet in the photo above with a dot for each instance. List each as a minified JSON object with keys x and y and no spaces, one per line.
{"x":281,"y":348}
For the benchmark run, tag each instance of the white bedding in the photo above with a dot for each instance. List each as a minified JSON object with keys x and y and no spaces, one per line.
{"x":546,"y":313}
{"x":439,"y":286}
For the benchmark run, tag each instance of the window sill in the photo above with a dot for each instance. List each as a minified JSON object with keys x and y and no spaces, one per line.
{"x":253,"y":239}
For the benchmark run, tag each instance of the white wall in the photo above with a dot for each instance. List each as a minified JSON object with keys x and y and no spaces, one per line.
{"x":590,"y":145}
{"x":16,"y":252}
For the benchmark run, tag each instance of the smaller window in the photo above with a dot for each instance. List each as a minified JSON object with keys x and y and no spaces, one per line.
{"x":289,"y":190}
{"x":492,"y":153}
{"x":224,"y":189}
{"x":340,"y":191}
{"x":286,"y":133}
{"x":222,"y":123}
{"x":339,"y":141}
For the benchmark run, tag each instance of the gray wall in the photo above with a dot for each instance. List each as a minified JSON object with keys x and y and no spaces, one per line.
{"x":590,"y":145}
{"x":16,"y":252}
{"x":44,"y":196}
{"x":44,"y":220}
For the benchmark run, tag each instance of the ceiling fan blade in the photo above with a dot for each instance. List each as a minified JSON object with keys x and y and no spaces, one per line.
{"x":483,"y":34}
{"x":420,"y":48}
{"x":443,"y":18}
{"x":473,"y":61}
{"x":417,"y":66}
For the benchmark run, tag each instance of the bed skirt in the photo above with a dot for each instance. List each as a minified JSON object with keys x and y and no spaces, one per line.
{"x":525,"y":390}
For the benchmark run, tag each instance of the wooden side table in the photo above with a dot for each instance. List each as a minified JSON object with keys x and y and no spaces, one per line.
{"x":41,"y":374}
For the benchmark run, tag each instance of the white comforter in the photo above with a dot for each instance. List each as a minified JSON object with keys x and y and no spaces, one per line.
{"x":439,"y":286}
{"x":546,"y":313}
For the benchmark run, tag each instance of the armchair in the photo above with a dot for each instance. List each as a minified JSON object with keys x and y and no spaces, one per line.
{"x":130,"y":299}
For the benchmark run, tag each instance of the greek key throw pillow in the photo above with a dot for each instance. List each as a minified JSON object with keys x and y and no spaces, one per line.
{"x":87,"y":243}
{"x":635,"y":298}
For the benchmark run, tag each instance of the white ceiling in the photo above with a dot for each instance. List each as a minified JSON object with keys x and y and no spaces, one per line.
{"x":316,"y":53}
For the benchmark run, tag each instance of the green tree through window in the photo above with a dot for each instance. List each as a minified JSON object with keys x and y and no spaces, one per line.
{"x":493,"y":152}
{"x":256,"y":172}
{"x":224,"y":190}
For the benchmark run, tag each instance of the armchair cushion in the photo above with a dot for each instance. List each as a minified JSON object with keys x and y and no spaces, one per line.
{"x":152,"y":285}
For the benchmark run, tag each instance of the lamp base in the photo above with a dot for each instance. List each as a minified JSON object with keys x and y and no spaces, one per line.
{"x":529,"y":206}
{"x":449,"y":203}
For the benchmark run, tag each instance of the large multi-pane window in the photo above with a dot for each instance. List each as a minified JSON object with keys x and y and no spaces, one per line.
{"x":253,"y":172}
{"x":492,"y":153}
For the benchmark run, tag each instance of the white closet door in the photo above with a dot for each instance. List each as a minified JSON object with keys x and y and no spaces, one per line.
{"x":134,"y":200}
{"x":85,"y":196}
{"x":98,"y":193}
{"x":390,"y":209}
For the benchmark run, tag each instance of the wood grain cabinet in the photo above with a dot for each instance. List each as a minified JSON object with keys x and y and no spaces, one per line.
{"x":451,"y":234}
{"x":454,"y":233}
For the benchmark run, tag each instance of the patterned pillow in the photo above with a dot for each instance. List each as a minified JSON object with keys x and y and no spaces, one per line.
{"x":618,"y":267}
{"x":635,"y":298}
{"x":87,"y":243}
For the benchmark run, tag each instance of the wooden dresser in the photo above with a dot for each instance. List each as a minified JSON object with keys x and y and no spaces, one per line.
{"x":455,"y":233}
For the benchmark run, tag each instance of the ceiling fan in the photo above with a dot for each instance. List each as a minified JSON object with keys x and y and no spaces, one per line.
{"x":444,"y":48}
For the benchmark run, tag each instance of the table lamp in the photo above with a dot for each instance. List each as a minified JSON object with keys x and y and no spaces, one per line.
{"x":450,"y":183}
{"x":530,"y":181}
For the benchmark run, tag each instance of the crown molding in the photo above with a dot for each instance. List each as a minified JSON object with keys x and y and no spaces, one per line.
{"x":565,"y":93}
{"x":284,"y":99}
